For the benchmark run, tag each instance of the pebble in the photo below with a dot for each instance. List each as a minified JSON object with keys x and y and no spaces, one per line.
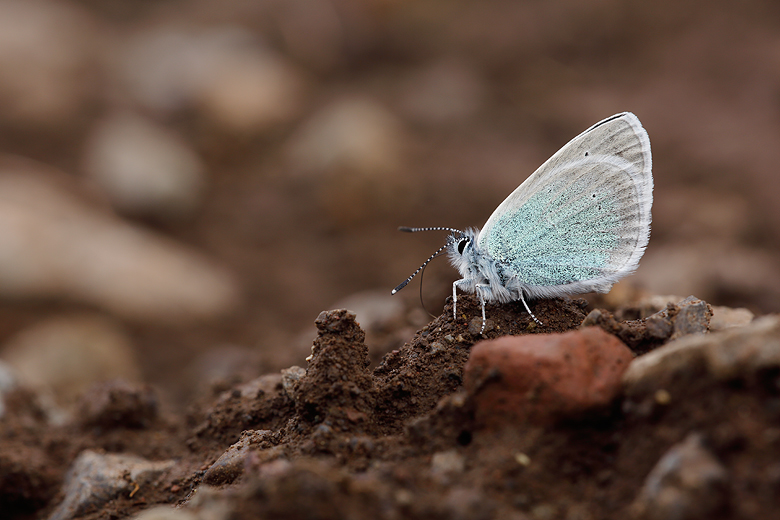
{"x":356,"y":134}
{"x":56,"y":243}
{"x":687,"y":483}
{"x":448,"y":462}
{"x":733,"y":353}
{"x":63,"y":356}
{"x":543,"y":377}
{"x":96,"y":478}
{"x":230,"y":465}
{"x":146,"y":169}
{"x":375,"y":311}
{"x":224,"y":72}
{"x":7,"y":383}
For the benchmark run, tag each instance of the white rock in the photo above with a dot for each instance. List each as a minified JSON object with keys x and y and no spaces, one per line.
{"x":8,"y":381}
{"x":375,"y":310}
{"x":54,"y":245}
{"x":146,"y":169}
{"x":61,"y":357}
{"x":94,"y":479}
{"x":224,"y":71}
{"x":165,"y":513}
{"x":356,"y":134}
{"x":46,"y":55}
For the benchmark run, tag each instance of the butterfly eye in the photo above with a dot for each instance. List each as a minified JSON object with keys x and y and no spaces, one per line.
{"x":462,"y":245}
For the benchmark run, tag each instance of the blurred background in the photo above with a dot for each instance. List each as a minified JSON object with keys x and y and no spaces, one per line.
{"x":184,"y":186}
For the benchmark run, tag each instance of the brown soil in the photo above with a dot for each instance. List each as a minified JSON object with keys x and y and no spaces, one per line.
{"x":346,"y":441}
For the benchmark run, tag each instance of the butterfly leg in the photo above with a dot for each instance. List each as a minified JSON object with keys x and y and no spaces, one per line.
{"x":529,"y":310}
{"x":481,"y":289}
{"x":455,"y":285}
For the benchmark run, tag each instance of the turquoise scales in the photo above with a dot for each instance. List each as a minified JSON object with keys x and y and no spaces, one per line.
{"x":577,"y":224}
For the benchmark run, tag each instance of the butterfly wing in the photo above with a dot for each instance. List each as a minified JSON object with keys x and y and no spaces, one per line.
{"x":582,"y":220}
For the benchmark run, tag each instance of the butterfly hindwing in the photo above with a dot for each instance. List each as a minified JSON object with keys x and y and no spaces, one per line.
{"x":582,"y":220}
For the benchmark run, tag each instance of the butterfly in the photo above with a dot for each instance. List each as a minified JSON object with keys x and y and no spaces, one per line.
{"x":578,"y":224}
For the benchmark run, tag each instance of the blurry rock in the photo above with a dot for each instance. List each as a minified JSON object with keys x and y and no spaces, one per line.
{"x":230,"y":465}
{"x":222,"y":366}
{"x":445,"y":92}
{"x":145,"y":169}
{"x":356,"y":134}
{"x":734,"y":353}
{"x":165,"y":513}
{"x":374,"y":310}
{"x":350,"y":153}
{"x":53,"y":245}
{"x":46,"y":59}
{"x":544,"y":377}
{"x":241,"y":85}
{"x":7,"y":383}
{"x":448,"y":462}
{"x":64,"y":356}
{"x":381,"y":316}
{"x":290,"y":378}
{"x":726,"y":317}
{"x":708,"y":269}
{"x":94,"y":479}
{"x":117,"y":404}
{"x":687,"y":483}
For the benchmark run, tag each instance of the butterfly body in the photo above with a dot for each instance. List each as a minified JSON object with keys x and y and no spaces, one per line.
{"x":578,"y":224}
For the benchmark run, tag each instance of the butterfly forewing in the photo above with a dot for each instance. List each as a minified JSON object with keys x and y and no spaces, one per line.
{"x":582,"y":220}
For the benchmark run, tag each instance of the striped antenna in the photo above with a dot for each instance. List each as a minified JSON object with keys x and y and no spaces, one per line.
{"x":416,"y":229}
{"x":434,"y":255}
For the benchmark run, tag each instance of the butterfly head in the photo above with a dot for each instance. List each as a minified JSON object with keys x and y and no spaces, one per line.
{"x":461,"y":249}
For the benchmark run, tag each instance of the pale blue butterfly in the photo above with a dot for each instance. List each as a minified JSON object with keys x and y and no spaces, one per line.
{"x":578,"y":224}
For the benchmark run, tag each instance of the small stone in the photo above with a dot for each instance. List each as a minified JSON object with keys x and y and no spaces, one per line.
{"x":94,"y":479}
{"x":523,"y":459}
{"x":290,"y":377}
{"x":447,"y":463}
{"x":693,"y":317}
{"x":224,"y":72}
{"x":230,"y":465}
{"x":7,"y":383}
{"x":146,"y":169}
{"x":544,"y":377}
{"x":662,"y":397}
{"x":475,"y":326}
{"x":687,"y":483}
